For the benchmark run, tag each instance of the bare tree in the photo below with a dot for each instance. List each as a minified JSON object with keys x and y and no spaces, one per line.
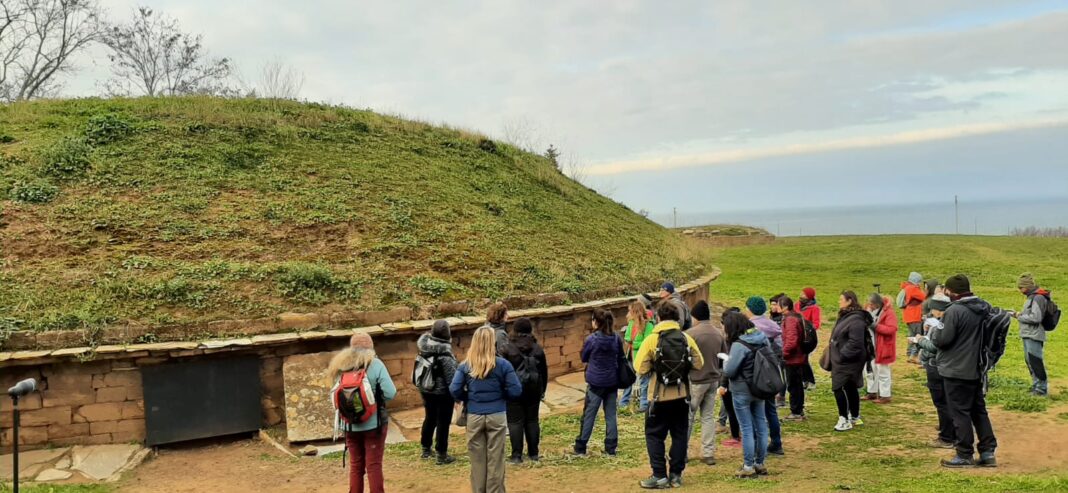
{"x":152,"y":56}
{"x":575,"y":169}
{"x":521,"y":132}
{"x":280,"y":81}
{"x":37,"y":40}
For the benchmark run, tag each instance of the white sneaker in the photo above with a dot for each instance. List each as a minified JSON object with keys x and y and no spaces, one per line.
{"x":843,"y":424}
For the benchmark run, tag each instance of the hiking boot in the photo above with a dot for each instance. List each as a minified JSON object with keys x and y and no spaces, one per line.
{"x":883,"y":400}
{"x":843,"y":424}
{"x":776,"y":451}
{"x":857,"y":421}
{"x":795,"y":417}
{"x":655,"y":483}
{"x":675,"y":480}
{"x":731,"y":443}
{"x":869,"y":397}
{"x":746,"y":472}
{"x":987,"y":459}
{"x":761,"y":470}
{"x":516,"y":459}
{"x":958,"y":462}
{"x":940,"y":443}
{"x":577,"y":452}
{"x":444,"y":459}
{"x":426,"y":454}
{"x":709,"y":461}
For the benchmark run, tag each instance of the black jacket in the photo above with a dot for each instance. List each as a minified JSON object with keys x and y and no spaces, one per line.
{"x":526,"y":344}
{"x":960,"y":339}
{"x":848,"y":350}
{"x":444,"y":361}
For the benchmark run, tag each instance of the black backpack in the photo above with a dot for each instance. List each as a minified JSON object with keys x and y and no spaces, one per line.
{"x":528,"y":374}
{"x":995,"y":327}
{"x":811,"y":337}
{"x":765,"y":382}
{"x":672,"y":361}
{"x":1052,"y":315}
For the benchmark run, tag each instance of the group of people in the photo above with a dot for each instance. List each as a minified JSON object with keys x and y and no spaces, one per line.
{"x":682,"y":365}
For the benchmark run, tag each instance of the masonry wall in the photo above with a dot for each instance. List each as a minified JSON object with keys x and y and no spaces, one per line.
{"x":101,"y":401}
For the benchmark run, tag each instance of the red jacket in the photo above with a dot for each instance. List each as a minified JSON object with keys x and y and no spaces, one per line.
{"x":811,"y":313}
{"x":886,"y":334}
{"x":793,"y":334}
{"x":914,"y":297}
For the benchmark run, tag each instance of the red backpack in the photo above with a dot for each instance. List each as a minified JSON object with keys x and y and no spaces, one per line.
{"x":354,"y":398}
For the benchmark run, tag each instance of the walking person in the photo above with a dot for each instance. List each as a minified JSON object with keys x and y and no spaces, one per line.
{"x":486,"y":382}
{"x":436,"y":347}
{"x":497,"y":319}
{"x":1033,"y":333}
{"x":756,"y":309}
{"x":809,"y":310}
{"x":704,"y":382}
{"x":911,"y":301}
{"x":795,"y":359}
{"x":668,"y":355}
{"x":603,"y":353}
{"x":884,"y":334}
{"x":640,"y":323}
{"x":528,"y":359}
{"x":745,"y":339}
{"x":847,"y":355}
{"x":959,"y":341}
{"x":947,"y":435}
{"x":365,"y":440}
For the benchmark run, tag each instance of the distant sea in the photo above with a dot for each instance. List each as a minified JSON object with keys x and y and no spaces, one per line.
{"x":983,"y":218}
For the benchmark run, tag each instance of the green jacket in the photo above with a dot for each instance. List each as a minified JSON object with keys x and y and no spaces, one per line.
{"x":639,"y":338}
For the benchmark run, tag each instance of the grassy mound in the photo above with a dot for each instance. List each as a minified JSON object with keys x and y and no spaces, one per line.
{"x":191,"y":209}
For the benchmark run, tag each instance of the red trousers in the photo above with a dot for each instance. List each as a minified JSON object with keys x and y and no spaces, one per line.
{"x":366,"y":449}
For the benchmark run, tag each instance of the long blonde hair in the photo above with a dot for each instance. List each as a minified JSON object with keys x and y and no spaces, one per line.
{"x":482,"y":357}
{"x":350,"y":359}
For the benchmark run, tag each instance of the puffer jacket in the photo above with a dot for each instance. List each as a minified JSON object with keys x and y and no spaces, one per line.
{"x":519,"y":346}
{"x":739,"y":367}
{"x":602,"y":355}
{"x":886,"y":334}
{"x":848,"y":351}
{"x":793,"y":336}
{"x":960,"y":338}
{"x":440,"y":352}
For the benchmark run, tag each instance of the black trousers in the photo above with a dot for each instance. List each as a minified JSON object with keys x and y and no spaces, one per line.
{"x":523,"y":423}
{"x":667,"y":418}
{"x":967,"y":409}
{"x":795,"y":385}
{"x":728,"y":405}
{"x":437,"y":415}
{"x":809,"y":376}
{"x":848,"y":400}
{"x":936,"y":386}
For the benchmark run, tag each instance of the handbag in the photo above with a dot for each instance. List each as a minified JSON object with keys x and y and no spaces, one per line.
{"x":625,"y":375}
{"x":461,"y":417}
{"x":825,"y":358}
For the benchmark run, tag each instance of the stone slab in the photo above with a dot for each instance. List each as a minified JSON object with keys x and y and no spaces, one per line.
{"x":53,"y":475}
{"x":562,"y":397}
{"x":216,"y":344}
{"x":102,"y":462}
{"x":394,"y":434}
{"x":330,"y":449}
{"x":412,"y":419}
{"x":576,"y":380}
{"x":309,"y":413}
{"x":28,"y":460}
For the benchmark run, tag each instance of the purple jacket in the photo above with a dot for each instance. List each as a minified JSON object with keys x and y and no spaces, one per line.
{"x":602,"y":354}
{"x":771,"y":330}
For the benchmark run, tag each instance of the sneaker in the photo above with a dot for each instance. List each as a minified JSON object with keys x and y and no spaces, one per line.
{"x":578,"y":453}
{"x":675,"y":480}
{"x":761,"y":469}
{"x":746,"y":472}
{"x":444,"y":459}
{"x":870,"y":397}
{"x":776,"y":451}
{"x":883,"y":400}
{"x":516,"y":459}
{"x":857,"y":421}
{"x":534,"y":458}
{"x":958,"y":462}
{"x":426,"y":454}
{"x":843,"y":424}
{"x":795,"y":417}
{"x":987,"y":459}
{"x":940,"y":443}
{"x":731,"y":443}
{"x":655,"y":483}
{"x":709,"y":461}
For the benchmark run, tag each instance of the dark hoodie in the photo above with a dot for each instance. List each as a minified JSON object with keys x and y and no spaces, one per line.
{"x":960,"y":338}
{"x":520,"y":346}
{"x":441,"y":350}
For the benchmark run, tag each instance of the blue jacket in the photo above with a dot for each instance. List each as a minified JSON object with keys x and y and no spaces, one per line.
{"x":602,"y":354}
{"x":384,"y":388}
{"x":739,"y":368}
{"x":486,"y":395}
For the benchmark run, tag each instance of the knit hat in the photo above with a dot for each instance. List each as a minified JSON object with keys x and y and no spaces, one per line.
{"x":361,"y":340}
{"x":915,"y":278}
{"x":700,"y":311}
{"x":959,"y":284}
{"x":1027,"y":281}
{"x":441,"y":330}
{"x":670,"y":288}
{"x":939,"y":302}
{"x":809,"y":293}
{"x":756,"y":305}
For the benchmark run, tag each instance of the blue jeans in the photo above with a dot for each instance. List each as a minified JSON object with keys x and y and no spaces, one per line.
{"x":643,"y":392}
{"x":754,"y":424}
{"x":624,"y":400}
{"x":596,"y":398}
{"x":774,"y":429}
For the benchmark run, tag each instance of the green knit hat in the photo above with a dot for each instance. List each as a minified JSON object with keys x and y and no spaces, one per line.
{"x":757,"y":305}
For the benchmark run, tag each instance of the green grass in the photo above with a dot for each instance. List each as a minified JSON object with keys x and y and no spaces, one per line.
{"x":191,"y":209}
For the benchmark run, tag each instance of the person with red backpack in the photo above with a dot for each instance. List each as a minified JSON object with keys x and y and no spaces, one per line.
{"x":361,"y":389}
{"x":1032,"y":319}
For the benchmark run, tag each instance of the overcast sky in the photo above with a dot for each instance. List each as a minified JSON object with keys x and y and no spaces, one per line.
{"x":691,"y":104}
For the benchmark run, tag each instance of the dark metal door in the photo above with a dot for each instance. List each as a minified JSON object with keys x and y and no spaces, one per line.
{"x":201,"y":399}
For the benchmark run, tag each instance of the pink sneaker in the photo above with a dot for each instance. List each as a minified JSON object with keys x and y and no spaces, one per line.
{"x":731,"y":443}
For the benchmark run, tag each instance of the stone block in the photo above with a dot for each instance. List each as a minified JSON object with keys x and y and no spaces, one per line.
{"x":394,"y":367}
{"x":107,"y":411}
{"x":308,"y":412}
{"x":82,"y":440}
{"x":123,"y":378}
{"x":68,"y":389}
{"x":59,"y":415}
{"x":135,"y":393}
{"x":111,"y":394}
{"x":124,"y":426}
{"x":28,"y":435}
{"x":68,"y":431}
{"x":133,"y":410}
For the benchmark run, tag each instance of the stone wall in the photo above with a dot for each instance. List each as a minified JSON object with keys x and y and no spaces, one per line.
{"x":93,"y":395}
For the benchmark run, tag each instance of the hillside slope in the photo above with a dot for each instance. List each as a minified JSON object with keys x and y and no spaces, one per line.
{"x":189,"y":209}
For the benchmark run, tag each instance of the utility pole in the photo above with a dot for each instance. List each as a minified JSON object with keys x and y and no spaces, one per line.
{"x":976,"y":226}
{"x":675,"y":216}
{"x":956,"y":214}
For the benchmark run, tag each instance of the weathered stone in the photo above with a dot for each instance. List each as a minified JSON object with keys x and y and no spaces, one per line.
{"x":300,"y":321}
{"x":67,"y":431}
{"x":562,"y":397}
{"x":133,"y":410}
{"x":74,"y":351}
{"x":123,"y":378}
{"x":26,"y":355}
{"x":101,"y":462}
{"x":59,"y":415}
{"x":221,"y":343}
{"x":309,"y":414}
{"x":313,"y":335}
{"x":309,"y":450}
{"x":124,"y":426}
{"x":275,"y":338}
{"x":28,"y":459}
{"x":28,"y":435}
{"x":53,"y":475}
{"x":575,"y":381}
{"x":111,"y":394}
{"x":108,"y":411}
{"x":394,"y":434}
